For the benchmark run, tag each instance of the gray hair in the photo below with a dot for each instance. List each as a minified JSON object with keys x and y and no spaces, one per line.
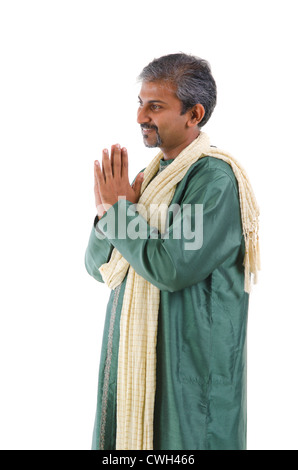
{"x":191,"y":77}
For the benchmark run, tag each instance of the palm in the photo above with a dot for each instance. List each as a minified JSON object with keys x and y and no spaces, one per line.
{"x":112,"y":182}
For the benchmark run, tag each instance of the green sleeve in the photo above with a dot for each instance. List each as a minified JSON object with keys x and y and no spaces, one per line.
{"x":98,"y":251}
{"x":164,"y":260}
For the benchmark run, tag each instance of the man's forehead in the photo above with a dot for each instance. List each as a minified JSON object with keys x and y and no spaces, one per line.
{"x":157,"y":91}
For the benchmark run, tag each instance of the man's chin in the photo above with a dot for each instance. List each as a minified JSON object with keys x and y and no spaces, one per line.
{"x":151,"y":145}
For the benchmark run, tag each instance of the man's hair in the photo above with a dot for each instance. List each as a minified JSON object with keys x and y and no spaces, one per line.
{"x":191,"y":77}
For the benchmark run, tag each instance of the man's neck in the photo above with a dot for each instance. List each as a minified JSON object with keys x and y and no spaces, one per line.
{"x":169,"y":154}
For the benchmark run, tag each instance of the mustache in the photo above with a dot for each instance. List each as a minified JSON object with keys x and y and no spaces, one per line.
{"x":145,"y":126}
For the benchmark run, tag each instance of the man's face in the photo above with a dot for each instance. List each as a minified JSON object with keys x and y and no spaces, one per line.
{"x":159,"y":116}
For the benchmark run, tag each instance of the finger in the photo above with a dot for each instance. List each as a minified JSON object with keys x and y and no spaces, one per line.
{"x":138,"y":183}
{"x":117,"y":162}
{"x":106,"y":165}
{"x":95,"y":182}
{"x":124,"y":163}
{"x":96,"y":190}
{"x":98,"y":174}
{"x":112,"y":158}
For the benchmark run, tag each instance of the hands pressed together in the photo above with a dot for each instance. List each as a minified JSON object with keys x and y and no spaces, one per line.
{"x":111,"y":182}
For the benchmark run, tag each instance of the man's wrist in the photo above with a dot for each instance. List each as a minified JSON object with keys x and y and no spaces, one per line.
{"x":97,"y":218}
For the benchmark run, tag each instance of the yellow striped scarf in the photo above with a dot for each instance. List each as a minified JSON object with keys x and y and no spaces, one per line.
{"x":136,"y":380}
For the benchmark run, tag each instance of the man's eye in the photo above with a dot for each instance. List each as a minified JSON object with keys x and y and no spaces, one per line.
{"x":153,"y":106}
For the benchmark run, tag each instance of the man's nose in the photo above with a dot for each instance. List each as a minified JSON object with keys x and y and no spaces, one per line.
{"x":142,"y":116}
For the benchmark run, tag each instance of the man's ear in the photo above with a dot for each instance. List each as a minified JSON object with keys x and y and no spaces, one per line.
{"x":196,"y":115}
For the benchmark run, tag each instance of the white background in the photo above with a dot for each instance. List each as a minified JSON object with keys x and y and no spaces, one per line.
{"x":68,"y":89}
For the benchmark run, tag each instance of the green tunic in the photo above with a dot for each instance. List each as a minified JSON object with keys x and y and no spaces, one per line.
{"x":200,"y":401}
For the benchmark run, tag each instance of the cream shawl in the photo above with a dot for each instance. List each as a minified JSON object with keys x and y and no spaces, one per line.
{"x":136,"y":381}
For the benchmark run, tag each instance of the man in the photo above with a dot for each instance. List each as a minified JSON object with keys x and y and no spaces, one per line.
{"x":173,"y":363}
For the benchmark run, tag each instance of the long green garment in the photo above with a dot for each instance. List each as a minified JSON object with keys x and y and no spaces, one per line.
{"x":200,"y":401}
